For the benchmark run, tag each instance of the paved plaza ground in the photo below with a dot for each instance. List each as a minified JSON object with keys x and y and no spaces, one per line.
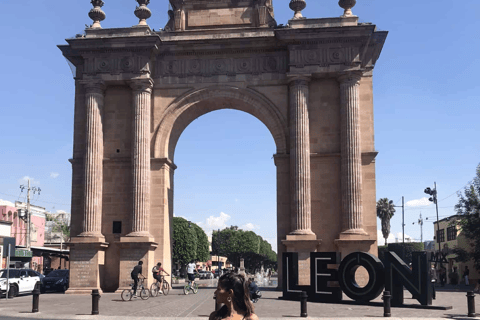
{"x":177,"y":305}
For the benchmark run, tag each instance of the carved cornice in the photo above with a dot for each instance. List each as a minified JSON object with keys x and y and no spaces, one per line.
{"x":350,"y":78}
{"x":165,"y":162}
{"x":93,"y":86}
{"x":141,"y":85}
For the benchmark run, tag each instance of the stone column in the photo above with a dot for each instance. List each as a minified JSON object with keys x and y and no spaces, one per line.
{"x":142,"y":92}
{"x":351,"y":166}
{"x":93,"y":165}
{"x":300,"y":156}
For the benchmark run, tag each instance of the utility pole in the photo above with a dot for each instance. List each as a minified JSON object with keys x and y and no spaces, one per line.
{"x":403,"y":226}
{"x":28,"y":215}
{"x":420,"y":223}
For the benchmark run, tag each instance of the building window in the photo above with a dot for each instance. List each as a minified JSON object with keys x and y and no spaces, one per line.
{"x":451,"y":233}
{"x":117,"y":227}
{"x":441,"y":235}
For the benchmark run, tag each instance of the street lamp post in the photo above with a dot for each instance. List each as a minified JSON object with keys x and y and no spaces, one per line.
{"x":403,"y":226}
{"x":433,"y":199}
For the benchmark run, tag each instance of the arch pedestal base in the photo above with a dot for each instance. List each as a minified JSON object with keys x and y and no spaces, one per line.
{"x":87,"y":263}
{"x":132,"y":250}
{"x":303,"y":244}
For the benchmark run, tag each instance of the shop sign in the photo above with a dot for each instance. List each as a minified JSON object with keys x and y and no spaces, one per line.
{"x":23,"y":254}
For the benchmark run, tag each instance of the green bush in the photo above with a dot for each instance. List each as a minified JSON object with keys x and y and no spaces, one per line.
{"x":409,"y":248}
{"x":381,"y":252}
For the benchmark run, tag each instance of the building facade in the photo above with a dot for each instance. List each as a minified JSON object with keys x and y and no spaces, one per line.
{"x":310,"y":83}
{"x":22,"y":258}
{"x":449,"y":236}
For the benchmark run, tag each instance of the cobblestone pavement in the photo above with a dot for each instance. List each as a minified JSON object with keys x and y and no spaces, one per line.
{"x":177,"y":305}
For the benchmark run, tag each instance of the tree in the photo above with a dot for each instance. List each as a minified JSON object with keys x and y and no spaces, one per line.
{"x":385,"y":211}
{"x":59,"y":225}
{"x":189,"y":242}
{"x":235,"y":244}
{"x":468,"y":208}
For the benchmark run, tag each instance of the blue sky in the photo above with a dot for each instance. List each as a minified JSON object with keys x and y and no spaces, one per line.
{"x":426,"y":91}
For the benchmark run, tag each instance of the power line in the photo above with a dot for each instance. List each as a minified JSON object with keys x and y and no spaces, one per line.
{"x":63,"y":204}
{"x":468,"y":183}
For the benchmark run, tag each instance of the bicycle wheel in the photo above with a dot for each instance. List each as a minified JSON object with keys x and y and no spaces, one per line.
{"x":145,"y":294}
{"x":166,"y":288}
{"x":185,"y":289}
{"x":154,"y":290}
{"x":195,"y":288}
{"x":127,"y":295}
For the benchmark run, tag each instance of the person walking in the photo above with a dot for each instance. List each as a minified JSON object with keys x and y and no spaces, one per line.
{"x":232,"y":291}
{"x":433,"y":279}
{"x":136,"y":272}
{"x":466,"y":273}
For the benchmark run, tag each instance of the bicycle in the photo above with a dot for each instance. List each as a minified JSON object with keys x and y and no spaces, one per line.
{"x":156,"y":287}
{"x":127,"y":294}
{"x":189,"y":287}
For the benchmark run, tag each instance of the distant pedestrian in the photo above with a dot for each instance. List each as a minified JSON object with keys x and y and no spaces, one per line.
{"x":433,"y":279}
{"x":232,"y":291}
{"x":443,"y":276}
{"x":466,"y":273}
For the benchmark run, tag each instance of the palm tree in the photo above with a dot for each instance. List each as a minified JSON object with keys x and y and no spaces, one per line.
{"x":385,"y":211}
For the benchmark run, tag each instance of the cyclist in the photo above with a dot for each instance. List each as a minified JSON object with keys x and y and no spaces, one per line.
{"x":191,"y":270}
{"x":137,"y":271}
{"x":157,"y":274}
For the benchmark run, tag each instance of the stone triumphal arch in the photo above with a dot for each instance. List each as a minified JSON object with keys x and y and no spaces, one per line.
{"x":309,"y":82}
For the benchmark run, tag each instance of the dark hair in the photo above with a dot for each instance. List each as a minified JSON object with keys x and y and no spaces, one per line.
{"x":159,"y":264}
{"x":241,"y":295}
{"x":140,"y":262}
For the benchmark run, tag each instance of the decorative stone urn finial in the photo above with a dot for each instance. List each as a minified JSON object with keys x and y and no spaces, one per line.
{"x":298,"y":6}
{"x":142,"y":12}
{"x":96,"y":14}
{"x":347,"y":5}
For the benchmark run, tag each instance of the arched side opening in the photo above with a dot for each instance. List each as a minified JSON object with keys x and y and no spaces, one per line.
{"x":177,"y":116}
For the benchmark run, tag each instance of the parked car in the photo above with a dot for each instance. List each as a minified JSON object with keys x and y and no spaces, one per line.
{"x":57,"y":280}
{"x":208,"y":275}
{"x":20,"y":281}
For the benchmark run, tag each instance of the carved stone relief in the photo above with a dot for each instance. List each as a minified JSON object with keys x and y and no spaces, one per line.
{"x":117,"y":65}
{"x":223,"y":66}
{"x":325,"y":56}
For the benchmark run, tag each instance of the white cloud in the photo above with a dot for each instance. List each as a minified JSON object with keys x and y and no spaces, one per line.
{"x":217,"y":222}
{"x":6,"y":203}
{"x":61,"y":211}
{"x":392,"y":238}
{"x":418,"y":202}
{"x":54,"y":175}
{"x":25,"y":179}
{"x":381,"y":239}
{"x":249,"y":226}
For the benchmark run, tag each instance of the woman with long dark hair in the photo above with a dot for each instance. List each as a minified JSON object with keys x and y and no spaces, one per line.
{"x":232,"y":291}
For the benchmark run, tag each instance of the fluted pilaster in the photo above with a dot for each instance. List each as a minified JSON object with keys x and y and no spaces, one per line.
{"x":142,"y":92}
{"x":93,"y":164}
{"x":300,"y":156}
{"x":351,"y":167}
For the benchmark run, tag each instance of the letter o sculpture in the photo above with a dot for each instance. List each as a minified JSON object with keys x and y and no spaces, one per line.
{"x":376,"y":273}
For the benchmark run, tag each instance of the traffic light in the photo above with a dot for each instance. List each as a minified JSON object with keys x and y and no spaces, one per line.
{"x":433,"y":194}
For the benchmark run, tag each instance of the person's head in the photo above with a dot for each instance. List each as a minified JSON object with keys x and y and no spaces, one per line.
{"x":159,"y":264}
{"x":466,"y":267}
{"x":232,"y":290}
{"x":140,"y":262}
